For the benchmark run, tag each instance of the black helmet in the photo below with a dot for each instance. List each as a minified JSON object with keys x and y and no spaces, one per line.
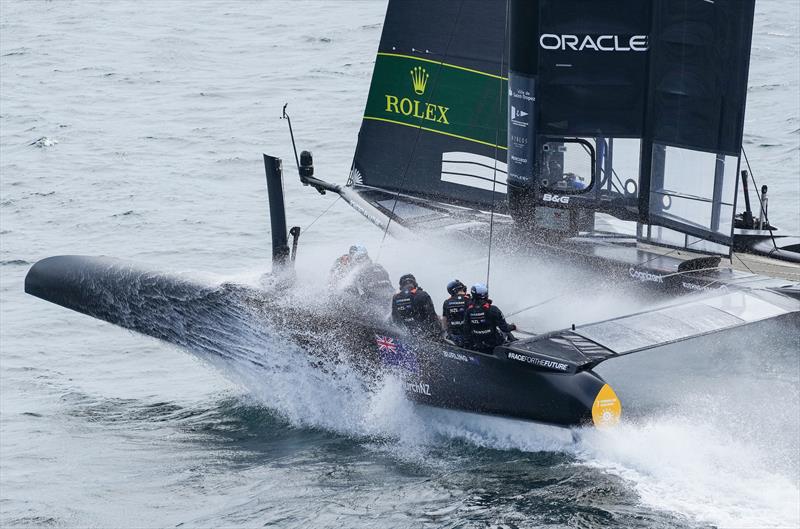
{"x":408,"y":279}
{"x":454,"y":286}
{"x":479,"y":291}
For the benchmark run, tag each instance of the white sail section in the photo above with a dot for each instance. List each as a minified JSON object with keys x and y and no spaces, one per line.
{"x":473,"y":170}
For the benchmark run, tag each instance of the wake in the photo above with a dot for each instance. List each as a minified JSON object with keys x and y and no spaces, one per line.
{"x":716,"y":470}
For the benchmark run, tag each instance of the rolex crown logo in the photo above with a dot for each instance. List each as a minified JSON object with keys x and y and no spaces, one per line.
{"x":419,"y":78}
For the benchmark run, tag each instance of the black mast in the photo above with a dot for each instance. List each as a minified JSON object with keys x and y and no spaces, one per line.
{"x":522,"y":73}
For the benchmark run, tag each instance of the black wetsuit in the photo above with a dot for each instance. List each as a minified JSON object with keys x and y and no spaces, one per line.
{"x":413,"y":309}
{"x":373,"y":283}
{"x":453,"y":311}
{"x":486,"y":326}
{"x":359,"y":287}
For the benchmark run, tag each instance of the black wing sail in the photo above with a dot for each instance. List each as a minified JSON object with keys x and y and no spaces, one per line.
{"x":553,"y":110}
{"x":434,"y":123}
{"x":634,"y":108}
{"x":700,"y":57}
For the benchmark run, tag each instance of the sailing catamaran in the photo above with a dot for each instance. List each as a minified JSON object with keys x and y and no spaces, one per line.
{"x":606,"y":134}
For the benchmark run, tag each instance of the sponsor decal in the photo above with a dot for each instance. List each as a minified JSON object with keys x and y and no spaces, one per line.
{"x":606,"y":409}
{"x":517,"y":117}
{"x":517,"y":113}
{"x":439,"y":98}
{"x":461,"y":357}
{"x":356,"y":177}
{"x":418,"y":387}
{"x":410,"y":107}
{"x":520,"y":141}
{"x":538,"y":361}
{"x":559,"y":199}
{"x":419,"y":79}
{"x":703,"y":288}
{"x":643,"y":276}
{"x":520,"y":93}
{"x":603,"y":43}
{"x":456,"y":356}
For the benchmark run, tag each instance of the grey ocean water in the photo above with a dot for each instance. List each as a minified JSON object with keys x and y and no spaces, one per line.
{"x":135,"y":129}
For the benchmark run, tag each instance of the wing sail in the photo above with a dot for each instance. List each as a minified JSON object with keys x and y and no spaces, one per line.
{"x":642,"y":102}
{"x":434,"y":125}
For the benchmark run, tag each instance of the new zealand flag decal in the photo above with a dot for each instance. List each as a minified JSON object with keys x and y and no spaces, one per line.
{"x":395,"y":354}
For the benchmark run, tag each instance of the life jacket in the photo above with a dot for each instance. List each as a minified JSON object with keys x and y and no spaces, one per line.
{"x":374,"y":278}
{"x":482,"y":327}
{"x":403,"y":305}
{"x":454,"y":309}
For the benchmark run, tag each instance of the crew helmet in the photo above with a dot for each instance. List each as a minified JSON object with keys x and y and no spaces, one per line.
{"x":408,"y":279}
{"x":479,"y":291}
{"x":454,"y":286}
{"x":358,"y":252}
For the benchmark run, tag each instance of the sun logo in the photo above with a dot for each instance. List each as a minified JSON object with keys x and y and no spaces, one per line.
{"x":355,"y":177}
{"x":419,"y":78}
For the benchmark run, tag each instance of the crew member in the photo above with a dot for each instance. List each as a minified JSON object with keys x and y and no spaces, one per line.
{"x":340,"y":268}
{"x":413,"y":309}
{"x":370,"y":280}
{"x":573,"y":182}
{"x":453,"y":311}
{"x":356,"y":274}
{"x":485,"y":324}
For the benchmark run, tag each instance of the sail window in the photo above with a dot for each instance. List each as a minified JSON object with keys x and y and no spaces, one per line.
{"x":567,"y":165}
{"x":693,"y":191}
{"x":618,"y":168}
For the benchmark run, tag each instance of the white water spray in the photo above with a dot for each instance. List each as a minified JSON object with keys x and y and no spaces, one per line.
{"x":713,"y":467}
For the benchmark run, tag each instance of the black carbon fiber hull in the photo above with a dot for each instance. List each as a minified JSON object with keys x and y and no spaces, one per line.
{"x":207,"y":319}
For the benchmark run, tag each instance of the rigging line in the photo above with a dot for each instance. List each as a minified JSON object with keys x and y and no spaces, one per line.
{"x":322,"y":214}
{"x":720,"y":279}
{"x":760,"y":201}
{"x":529,"y":307}
{"x":682,"y":272}
{"x":592,"y":287}
{"x":670,"y":252}
{"x":496,"y":138}
{"x":419,"y":132}
{"x":745,"y":264}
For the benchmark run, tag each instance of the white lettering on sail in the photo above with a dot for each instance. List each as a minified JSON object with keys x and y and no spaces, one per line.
{"x":548,"y":197}
{"x":551,"y":41}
